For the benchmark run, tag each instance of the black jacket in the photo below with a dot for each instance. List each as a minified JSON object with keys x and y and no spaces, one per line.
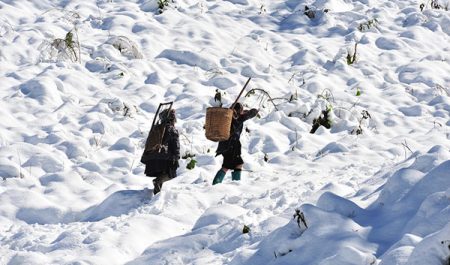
{"x":233,"y":144}
{"x":164,"y":161}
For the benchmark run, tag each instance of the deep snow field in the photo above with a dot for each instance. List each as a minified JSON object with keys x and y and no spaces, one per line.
{"x":74,"y":120}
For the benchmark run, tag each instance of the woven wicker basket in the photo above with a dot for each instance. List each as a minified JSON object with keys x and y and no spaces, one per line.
{"x":218,"y":123}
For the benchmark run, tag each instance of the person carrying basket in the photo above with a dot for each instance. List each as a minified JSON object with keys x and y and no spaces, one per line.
{"x":231,"y":149}
{"x":162,"y":149}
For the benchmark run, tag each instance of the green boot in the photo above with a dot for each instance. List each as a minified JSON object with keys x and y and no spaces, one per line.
{"x":219,"y":177}
{"x":236,"y":174}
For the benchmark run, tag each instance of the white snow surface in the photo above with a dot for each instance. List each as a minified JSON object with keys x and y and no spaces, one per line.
{"x":73,"y":190}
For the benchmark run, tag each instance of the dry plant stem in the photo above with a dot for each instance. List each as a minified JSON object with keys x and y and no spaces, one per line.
{"x":264,"y":92}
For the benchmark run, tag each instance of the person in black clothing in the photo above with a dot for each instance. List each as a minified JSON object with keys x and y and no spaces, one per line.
{"x":231,"y":148}
{"x":161,"y":160}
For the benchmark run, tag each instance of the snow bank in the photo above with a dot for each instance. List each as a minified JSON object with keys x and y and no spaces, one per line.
{"x":411,"y":205}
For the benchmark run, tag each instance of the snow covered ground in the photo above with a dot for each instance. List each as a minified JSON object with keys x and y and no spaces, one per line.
{"x":76,"y":110}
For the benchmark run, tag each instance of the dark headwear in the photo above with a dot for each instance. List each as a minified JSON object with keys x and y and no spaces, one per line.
{"x":167,"y":115}
{"x":238,"y":107}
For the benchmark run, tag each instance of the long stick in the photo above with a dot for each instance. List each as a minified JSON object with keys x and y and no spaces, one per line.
{"x":248,"y":81}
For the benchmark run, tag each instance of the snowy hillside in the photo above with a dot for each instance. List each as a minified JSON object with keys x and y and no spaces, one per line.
{"x":80,"y":84}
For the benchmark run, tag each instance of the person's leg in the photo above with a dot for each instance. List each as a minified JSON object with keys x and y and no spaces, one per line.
{"x":236,"y":174}
{"x":158,"y":182}
{"x":227,"y":163}
{"x":219,"y":176}
{"x":156,"y":185}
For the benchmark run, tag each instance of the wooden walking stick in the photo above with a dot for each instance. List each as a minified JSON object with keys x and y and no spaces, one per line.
{"x":248,"y":81}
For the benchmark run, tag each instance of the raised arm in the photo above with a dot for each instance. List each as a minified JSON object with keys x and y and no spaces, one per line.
{"x":248,"y":114}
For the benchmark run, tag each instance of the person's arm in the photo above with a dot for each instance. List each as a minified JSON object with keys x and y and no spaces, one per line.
{"x":174,"y":144}
{"x":249,"y":114}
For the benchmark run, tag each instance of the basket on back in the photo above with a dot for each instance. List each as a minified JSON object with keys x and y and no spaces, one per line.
{"x":218,"y":123}
{"x":155,"y":137}
{"x":154,"y":147}
{"x":218,"y":120}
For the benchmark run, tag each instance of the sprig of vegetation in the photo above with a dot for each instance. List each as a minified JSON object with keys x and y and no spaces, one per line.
{"x":324,"y":120}
{"x":263,"y":97}
{"x":71,"y":44}
{"x":311,"y":13}
{"x":214,"y":72}
{"x":442,"y":90}
{"x":364,"y":116}
{"x":300,"y":218}
{"x":162,"y":4}
{"x":351,"y":58}
{"x":327,"y":95}
{"x":447,"y":244}
{"x":63,"y":49}
{"x":188,"y":155}
{"x":368,"y":24}
{"x":191,"y":157}
{"x":434,"y":4}
{"x":262,"y":9}
{"x":191,"y":164}
{"x":126,"y":47}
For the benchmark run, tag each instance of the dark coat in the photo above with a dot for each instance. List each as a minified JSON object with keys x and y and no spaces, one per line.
{"x":233,"y":144}
{"x":166,"y":160}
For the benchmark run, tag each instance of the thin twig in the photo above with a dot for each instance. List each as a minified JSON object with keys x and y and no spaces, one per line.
{"x":187,"y":139}
{"x":263,"y":91}
{"x":328,"y":93}
{"x":405,"y":146}
{"x":441,"y":88}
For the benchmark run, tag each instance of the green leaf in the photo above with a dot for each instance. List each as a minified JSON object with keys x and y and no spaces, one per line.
{"x":191,"y":164}
{"x":358,"y":92}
